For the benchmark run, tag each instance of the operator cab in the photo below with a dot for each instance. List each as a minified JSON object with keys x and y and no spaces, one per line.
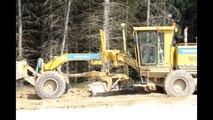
{"x":154,"y":50}
{"x":151,"y":45}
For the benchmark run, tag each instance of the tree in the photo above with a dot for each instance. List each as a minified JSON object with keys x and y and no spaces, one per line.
{"x":65,"y":33}
{"x":188,"y":8}
{"x":66,"y":26}
{"x":148,"y":12}
{"x":20,"y":57}
{"x":105,"y":66}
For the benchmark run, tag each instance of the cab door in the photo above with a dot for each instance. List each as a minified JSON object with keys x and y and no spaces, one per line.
{"x":148,"y":47}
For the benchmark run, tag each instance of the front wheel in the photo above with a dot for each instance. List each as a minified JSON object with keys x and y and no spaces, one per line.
{"x":50,"y":85}
{"x":179,"y":83}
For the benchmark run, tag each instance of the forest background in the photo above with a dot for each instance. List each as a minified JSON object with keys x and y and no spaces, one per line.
{"x":43,"y":26}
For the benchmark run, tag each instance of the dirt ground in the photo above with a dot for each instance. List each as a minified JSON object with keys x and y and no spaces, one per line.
{"x":26,"y":99}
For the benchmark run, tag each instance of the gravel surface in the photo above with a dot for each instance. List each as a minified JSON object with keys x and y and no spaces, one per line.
{"x":78,"y":104}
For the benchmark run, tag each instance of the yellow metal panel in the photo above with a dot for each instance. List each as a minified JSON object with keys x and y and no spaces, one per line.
{"x":144,"y":28}
{"x":103,"y":42}
{"x":186,"y":55}
{"x":138,"y":52}
{"x":154,"y":71}
{"x":55,"y":63}
{"x":173,"y":56}
{"x":154,"y":28}
{"x":187,"y":59}
{"x":165,"y":28}
{"x":136,"y":56}
{"x":96,"y":62}
{"x":168,"y":47}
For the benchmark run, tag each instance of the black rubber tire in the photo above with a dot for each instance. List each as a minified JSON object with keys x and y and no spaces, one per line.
{"x":67,"y":83}
{"x":58,"y":80}
{"x":175,"y":76}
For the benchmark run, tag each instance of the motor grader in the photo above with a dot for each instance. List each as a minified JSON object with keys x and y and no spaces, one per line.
{"x":159,"y":59}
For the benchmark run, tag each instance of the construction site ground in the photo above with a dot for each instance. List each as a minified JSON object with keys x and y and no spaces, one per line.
{"x":26,"y":99}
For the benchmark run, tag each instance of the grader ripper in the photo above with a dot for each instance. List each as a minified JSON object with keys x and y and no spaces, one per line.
{"x":158,"y":59}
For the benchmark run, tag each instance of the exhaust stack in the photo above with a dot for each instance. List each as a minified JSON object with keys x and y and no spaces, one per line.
{"x":186,"y":35}
{"x":124,"y":36}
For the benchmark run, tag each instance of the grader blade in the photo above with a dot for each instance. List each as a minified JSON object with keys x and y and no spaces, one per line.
{"x":21,"y":70}
{"x":98,"y":87}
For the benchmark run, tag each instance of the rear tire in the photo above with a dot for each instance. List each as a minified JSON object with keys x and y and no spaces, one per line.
{"x":50,"y":85}
{"x":179,"y":83}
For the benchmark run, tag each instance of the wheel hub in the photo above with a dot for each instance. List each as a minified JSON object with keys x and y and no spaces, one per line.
{"x":179,"y":86}
{"x":50,"y":86}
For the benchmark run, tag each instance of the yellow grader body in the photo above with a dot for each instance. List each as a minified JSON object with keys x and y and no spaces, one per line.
{"x":158,"y":59}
